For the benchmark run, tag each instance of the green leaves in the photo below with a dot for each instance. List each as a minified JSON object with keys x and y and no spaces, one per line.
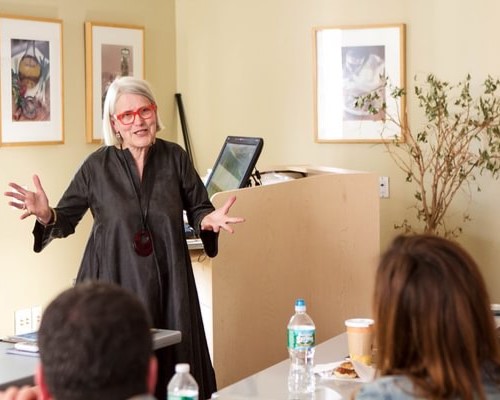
{"x":459,"y":139}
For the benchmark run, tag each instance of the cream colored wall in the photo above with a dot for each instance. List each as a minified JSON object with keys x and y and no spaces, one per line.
{"x":243,"y":67}
{"x":246,"y":68}
{"x":26,"y":278}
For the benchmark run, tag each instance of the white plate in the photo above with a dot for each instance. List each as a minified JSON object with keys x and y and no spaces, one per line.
{"x":325,"y":371}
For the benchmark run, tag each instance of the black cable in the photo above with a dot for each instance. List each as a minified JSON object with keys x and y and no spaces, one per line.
{"x":256,"y":178}
{"x":185,"y":132}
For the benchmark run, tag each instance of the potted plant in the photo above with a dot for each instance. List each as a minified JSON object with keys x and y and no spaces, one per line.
{"x":458,"y":140}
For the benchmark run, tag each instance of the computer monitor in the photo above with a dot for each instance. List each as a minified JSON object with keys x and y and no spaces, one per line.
{"x":234,"y":165}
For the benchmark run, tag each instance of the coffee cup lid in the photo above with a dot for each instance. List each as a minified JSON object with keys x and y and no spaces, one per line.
{"x":359,"y":322}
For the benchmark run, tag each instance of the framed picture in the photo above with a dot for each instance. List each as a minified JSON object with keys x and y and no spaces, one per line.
{"x":110,"y":51}
{"x":31,"y":81}
{"x":351,"y":62}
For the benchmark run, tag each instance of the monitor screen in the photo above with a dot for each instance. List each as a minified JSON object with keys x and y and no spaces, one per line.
{"x":234,"y":164}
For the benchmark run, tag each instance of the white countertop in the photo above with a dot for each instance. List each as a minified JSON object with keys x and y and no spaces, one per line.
{"x":271,"y":383}
{"x":163,"y":338}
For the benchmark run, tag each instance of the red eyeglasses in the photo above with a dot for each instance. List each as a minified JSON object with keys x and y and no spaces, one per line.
{"x":128,"y":117}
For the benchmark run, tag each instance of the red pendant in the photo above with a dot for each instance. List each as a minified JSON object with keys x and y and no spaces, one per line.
{"x":143,"y":245}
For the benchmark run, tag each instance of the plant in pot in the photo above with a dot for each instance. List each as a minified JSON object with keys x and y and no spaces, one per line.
{"x":458,"y":141}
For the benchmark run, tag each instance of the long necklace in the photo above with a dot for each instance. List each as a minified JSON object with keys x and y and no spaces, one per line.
{"x":143,"y":241}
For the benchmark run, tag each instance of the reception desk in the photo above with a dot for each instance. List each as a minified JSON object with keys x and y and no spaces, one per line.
{"x":271,"y":383}
{"x":315,"y":237}
{"x":18,"y":370}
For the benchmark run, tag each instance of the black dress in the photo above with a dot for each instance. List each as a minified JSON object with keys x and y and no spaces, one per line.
{"x":109,"y":185}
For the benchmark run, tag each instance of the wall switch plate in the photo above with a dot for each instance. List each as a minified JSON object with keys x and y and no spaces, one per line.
{"x":384,"y":187}
{"x":22,"y":321}
{"x":36,"y":318}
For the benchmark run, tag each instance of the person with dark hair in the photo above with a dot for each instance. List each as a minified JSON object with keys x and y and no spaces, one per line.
{"x":137,"y":188}
{"x":435,"y":332}
{"x":95,"y":343}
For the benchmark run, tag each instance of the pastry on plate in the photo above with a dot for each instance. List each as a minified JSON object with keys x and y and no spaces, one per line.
{"x":345,"y":370}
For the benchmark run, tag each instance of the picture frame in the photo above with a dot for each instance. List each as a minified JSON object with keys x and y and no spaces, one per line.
{"x":31,"y":81}
{"x":352,"y":61}
{"x":111,"y":50}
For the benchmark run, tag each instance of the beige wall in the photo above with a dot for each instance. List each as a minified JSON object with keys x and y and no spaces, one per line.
{"x":26,"y":278}
{"x":246,"y":68}
{"x":243,"y":67}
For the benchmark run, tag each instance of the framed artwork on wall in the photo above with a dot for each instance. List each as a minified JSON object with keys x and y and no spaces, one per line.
{"x":351,"y":62}
{"x":111,"y":51}
{"x":31,"y":81}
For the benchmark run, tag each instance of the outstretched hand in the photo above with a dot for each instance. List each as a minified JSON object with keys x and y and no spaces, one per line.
{"x":31,"y":203}
{"x":218,"y":219}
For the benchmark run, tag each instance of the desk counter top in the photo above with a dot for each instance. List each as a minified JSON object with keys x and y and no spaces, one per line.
{"x":19,"y":369}
{"x":271,"y":383}
{"x":163,"y":338}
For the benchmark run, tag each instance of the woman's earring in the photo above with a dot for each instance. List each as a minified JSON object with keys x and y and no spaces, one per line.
{"x":118,"y":136}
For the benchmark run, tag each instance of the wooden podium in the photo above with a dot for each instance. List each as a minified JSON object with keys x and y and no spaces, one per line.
{"x":315,"y":238}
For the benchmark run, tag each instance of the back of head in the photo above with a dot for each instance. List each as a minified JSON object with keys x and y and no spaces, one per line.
{"x":124,"y":85}
{"x":433,"y":317}
{"x":95,"y":343}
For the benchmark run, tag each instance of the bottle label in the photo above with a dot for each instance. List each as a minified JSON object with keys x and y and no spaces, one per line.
{"x":301,"y":339}
{"x":184,"y":394}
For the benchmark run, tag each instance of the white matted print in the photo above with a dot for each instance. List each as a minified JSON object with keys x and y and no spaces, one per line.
{"x":351,"y":62}
{"x":31,"y":81}
{"x":110,"y":51}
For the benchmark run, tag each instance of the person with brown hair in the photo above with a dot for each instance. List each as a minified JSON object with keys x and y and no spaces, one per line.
{"x":95,"y":343}
{"x":435,"y":332}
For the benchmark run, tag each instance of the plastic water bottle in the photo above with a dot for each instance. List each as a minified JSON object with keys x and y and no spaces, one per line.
{"x":182,"y":386}
{"x":301,"y":342}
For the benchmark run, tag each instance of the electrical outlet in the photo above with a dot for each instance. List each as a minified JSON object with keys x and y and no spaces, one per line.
{"x":23,"y":321}
{"x":36,"y":318}
{"x":384,"y":187}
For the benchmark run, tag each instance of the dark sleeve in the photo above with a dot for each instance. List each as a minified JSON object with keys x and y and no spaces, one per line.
{"x":197,"y":204}
{"x":210,"y":242}
{"x":70,"y":210}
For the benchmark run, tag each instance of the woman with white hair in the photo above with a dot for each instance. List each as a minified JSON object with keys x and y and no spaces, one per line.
{"x":136,"y":187}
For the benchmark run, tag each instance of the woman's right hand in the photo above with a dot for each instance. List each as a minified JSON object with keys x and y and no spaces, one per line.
{"x":31,"y":203}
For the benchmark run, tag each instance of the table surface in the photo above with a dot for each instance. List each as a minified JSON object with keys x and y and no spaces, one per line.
{"x":271,"y":383}
{"x":18,"y":369}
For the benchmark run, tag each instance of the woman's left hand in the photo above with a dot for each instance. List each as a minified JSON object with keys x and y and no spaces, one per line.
{"x":218,"y":219}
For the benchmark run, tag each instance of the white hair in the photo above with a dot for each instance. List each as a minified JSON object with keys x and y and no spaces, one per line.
{"x":123,"y":85}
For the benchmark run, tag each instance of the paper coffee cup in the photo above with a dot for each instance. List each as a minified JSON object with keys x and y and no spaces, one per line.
{"x":360,"y":339}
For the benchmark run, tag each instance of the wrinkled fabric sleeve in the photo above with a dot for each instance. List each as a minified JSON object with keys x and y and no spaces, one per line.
{"x":197,"y":204}
{"x":70,"y":210}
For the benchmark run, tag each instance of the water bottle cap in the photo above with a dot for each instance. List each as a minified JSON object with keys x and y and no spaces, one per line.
{"x":182,"y":368}
{"x":300,"y":305}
